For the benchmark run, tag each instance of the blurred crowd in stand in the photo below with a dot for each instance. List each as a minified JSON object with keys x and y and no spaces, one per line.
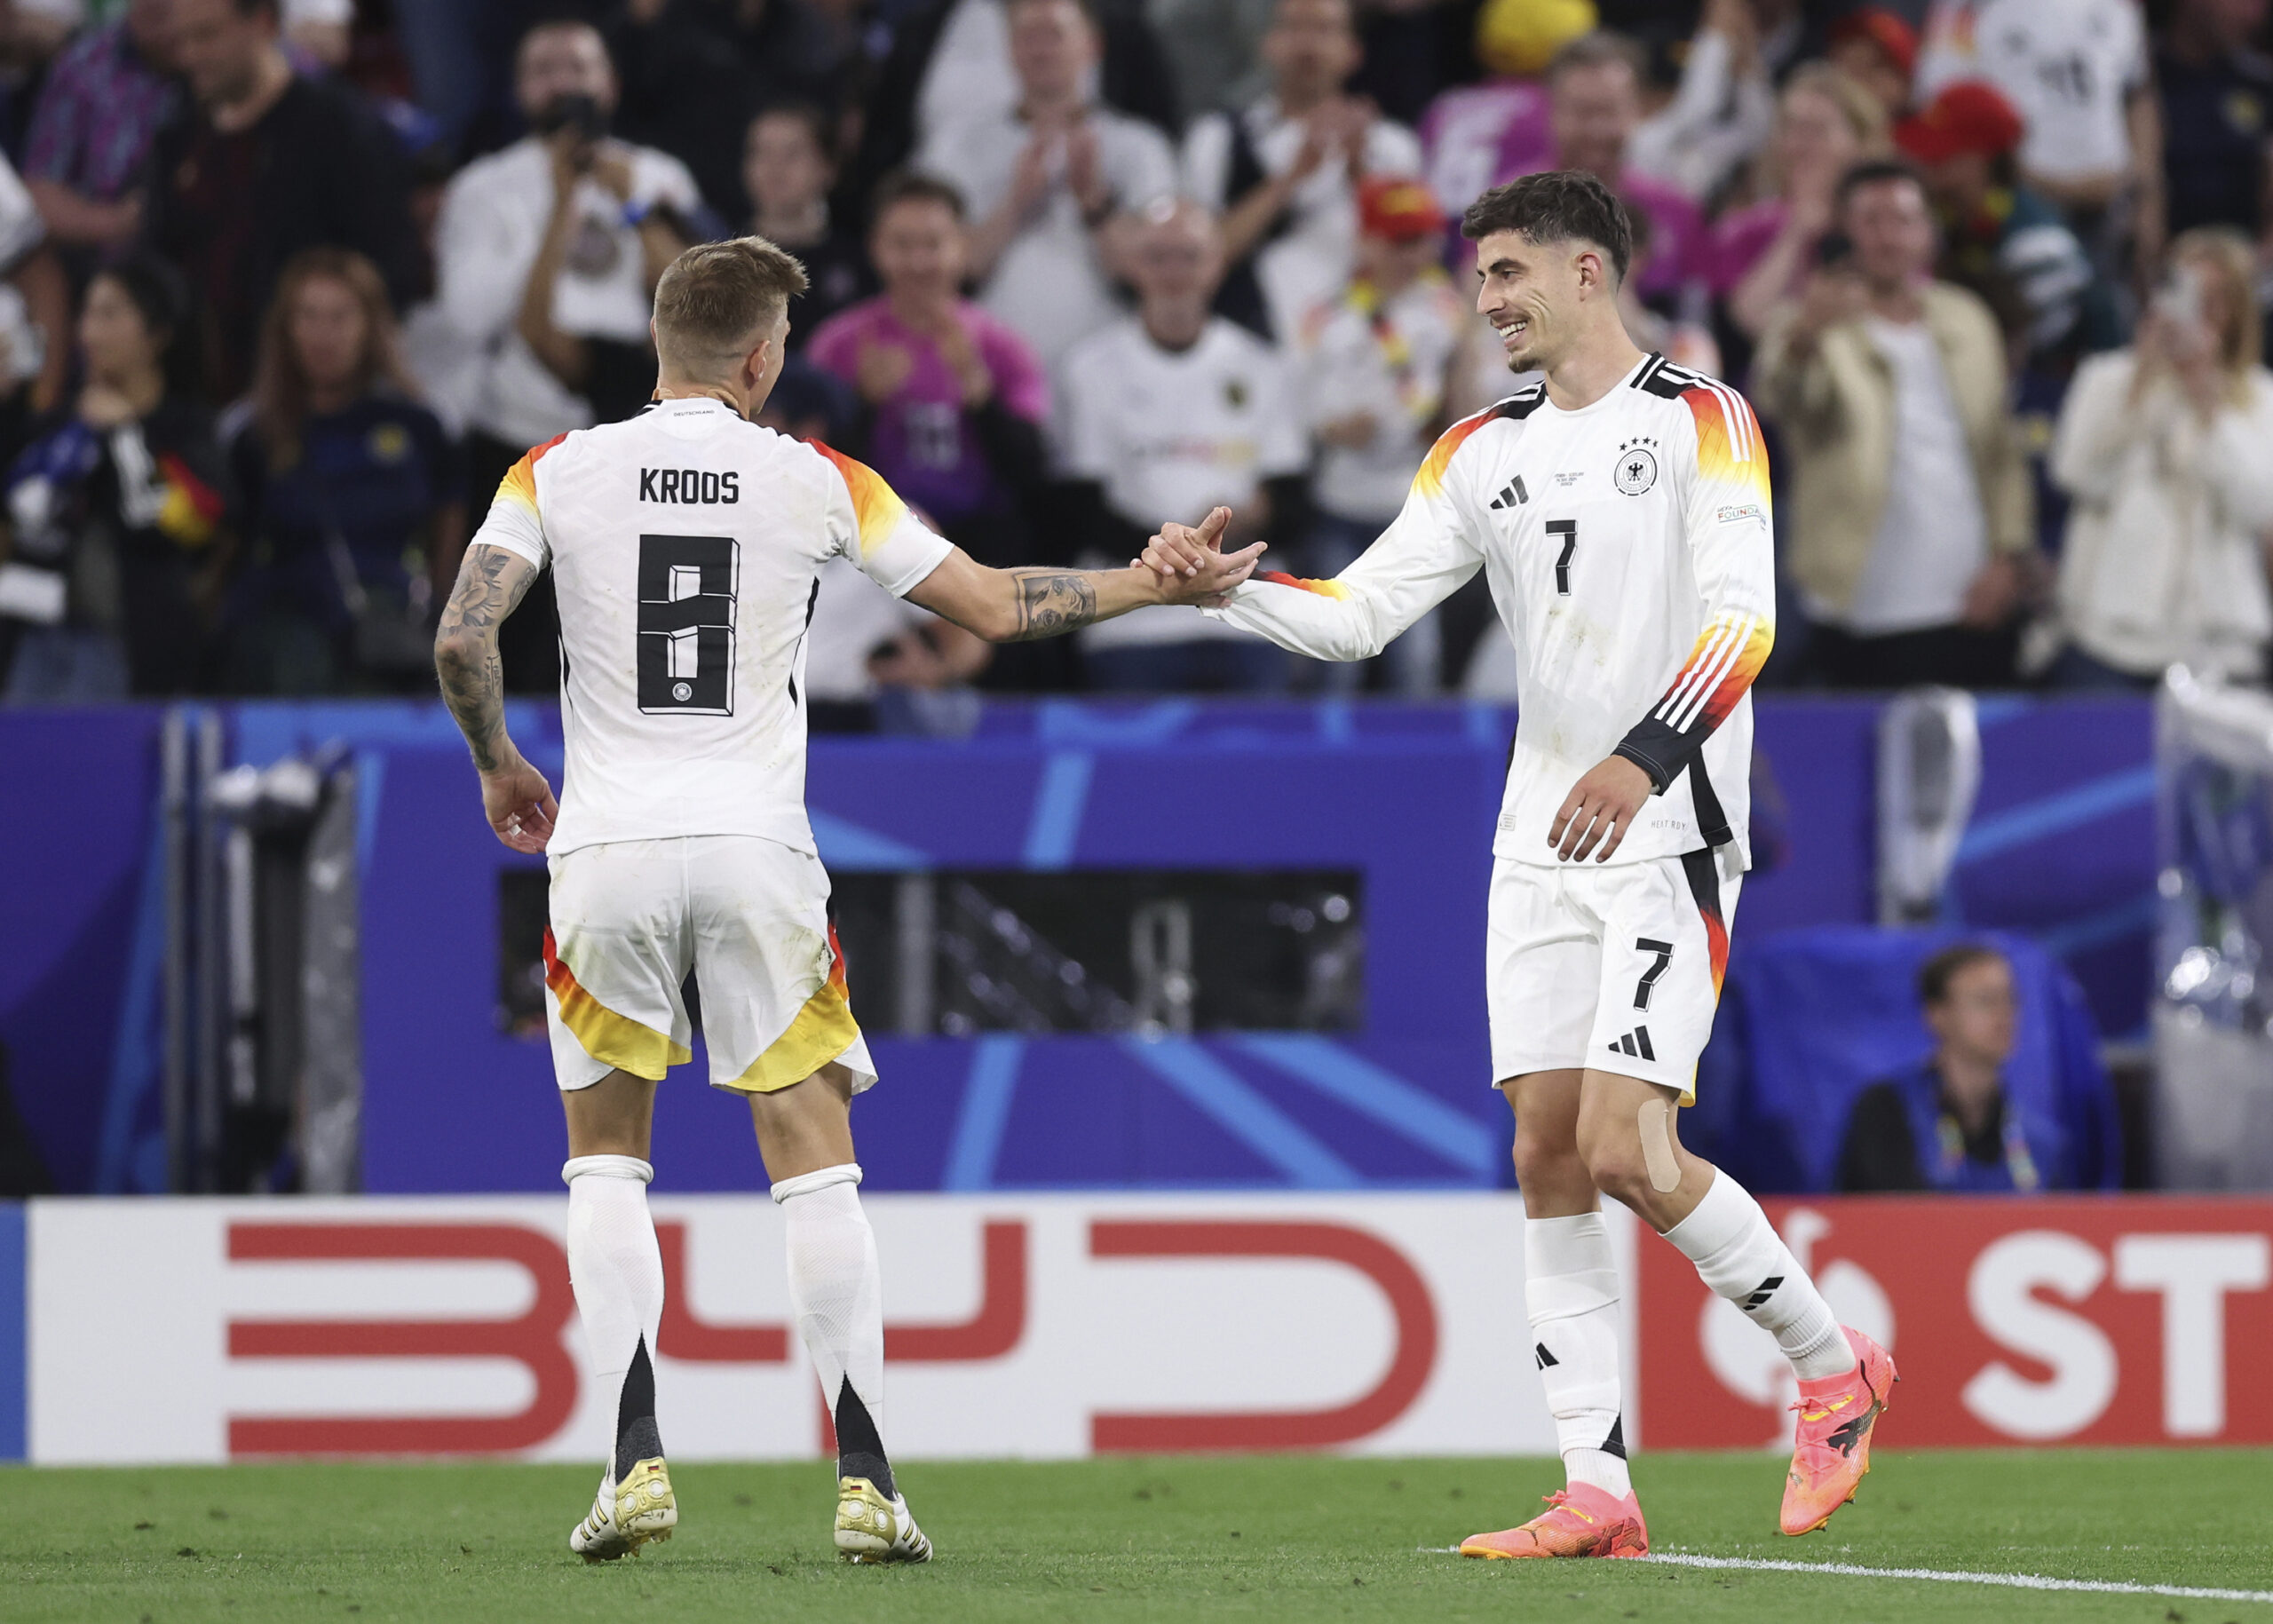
{"x":290,"y":284}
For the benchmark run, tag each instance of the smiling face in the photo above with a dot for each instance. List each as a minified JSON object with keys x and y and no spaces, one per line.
{"x":1533,"y":294}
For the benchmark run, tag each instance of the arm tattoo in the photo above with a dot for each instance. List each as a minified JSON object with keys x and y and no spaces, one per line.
{"x":1051,"y":602}
{"x":491,"y":582}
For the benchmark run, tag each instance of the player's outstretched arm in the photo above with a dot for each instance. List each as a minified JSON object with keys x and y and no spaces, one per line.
{"x":491,"y":583}
{"x":1418,"y":562}
{"x":1014,"y":605}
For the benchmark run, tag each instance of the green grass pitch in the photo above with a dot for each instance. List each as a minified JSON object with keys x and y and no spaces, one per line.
{"x":1179,"y":1539}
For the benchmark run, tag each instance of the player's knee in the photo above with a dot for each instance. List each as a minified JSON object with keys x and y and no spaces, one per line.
{"x":1545,"y":1158}
{"x":1615,"y":1162}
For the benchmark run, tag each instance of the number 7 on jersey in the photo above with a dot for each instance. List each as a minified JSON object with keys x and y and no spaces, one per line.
{"x":1568,"y":529}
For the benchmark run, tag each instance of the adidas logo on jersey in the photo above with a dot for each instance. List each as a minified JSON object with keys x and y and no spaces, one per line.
{"x":1514,"y":496}
{"x":1636,"y":1043}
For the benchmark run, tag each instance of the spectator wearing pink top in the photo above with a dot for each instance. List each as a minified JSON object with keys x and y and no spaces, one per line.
{"x":1765,"y":252}
{"x":955,"y":397}
{"x":1594,"y":90}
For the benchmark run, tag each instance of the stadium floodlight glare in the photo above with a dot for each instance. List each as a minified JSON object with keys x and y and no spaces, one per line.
{"x":2213,"y":1011}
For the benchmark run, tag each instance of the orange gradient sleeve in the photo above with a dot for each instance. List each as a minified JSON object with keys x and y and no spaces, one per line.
{"x":1729,"y":519}
{"x":876,"y":508}
{"x":513,"y":521}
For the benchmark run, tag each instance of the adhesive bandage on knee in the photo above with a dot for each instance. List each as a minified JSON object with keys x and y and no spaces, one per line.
{"x":1570,"y":1297}
{"x":837,"y":1291}
{"x":1742,"y":1258}
{"x":1656,"y":1124}
{"x":617,"y":1272}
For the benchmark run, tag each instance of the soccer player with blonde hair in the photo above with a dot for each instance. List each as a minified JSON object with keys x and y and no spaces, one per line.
{"x":685,"y":545}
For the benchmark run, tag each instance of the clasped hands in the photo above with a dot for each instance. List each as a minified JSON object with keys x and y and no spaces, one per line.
{"x":1192,"y":566}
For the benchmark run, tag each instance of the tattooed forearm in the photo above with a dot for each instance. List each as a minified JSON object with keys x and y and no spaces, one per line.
{"x":1051,"y":602}
{"x":490,"y":583}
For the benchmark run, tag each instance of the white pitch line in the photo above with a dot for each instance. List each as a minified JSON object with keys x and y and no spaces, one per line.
{"x":2010,"y":1581}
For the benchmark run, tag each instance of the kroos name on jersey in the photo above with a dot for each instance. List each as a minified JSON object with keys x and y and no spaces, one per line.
{"x":690,"y":486}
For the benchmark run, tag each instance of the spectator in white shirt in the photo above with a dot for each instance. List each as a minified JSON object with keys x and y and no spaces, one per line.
{"x":1045,"y":180}
{"x":600,"y":218}
{"x":2163,"y":446}
{"x":2077,"y":71}
{"x":1374,"y":368}
{"x":1283,"y":173}
{"x":1167,"y":415}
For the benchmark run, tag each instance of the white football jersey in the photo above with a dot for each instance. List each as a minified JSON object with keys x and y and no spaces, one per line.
{"x":686,"y":547}
{"x":1628,"y":548}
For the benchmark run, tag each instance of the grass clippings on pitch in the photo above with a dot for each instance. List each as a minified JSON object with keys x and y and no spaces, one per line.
{"x":1125,"y":1539}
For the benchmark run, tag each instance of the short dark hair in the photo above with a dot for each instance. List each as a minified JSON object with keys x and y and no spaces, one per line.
{"x":807,"y":113}
{"x":914,"y":186}
{"x":1559,"y":206}
{"x":1875,"y":172}
{"x":1936,"y":974}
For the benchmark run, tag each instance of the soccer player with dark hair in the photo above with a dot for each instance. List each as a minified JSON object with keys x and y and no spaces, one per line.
{"x":686,"y":545}
{"x":1619,"y":510}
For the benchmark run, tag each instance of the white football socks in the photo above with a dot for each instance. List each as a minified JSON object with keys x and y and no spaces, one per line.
{"x":1742,"y":1258}
{"x":1571,"y":1291}
{"x":617,"y":1271}
{"x":837,"y":1291}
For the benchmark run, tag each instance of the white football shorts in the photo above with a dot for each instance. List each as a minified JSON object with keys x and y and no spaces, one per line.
{"x":749,"y":916}
{"x":1613,"y":966}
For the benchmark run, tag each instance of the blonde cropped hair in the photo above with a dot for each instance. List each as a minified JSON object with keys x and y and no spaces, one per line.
{"x":717,"y":300}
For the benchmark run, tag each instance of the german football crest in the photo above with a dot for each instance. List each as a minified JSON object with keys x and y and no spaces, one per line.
{"x":1638,"y":468}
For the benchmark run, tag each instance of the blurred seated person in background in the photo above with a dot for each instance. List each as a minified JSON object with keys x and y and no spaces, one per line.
{"x":1765,"y":251}
{"x":787,"y":175}
{"x":100,"y":108}
{"x":262,"y":161}
{"x":1176,"y":410}
{"x":116,"y":510}
{"x":2167,"y":449}
{"x":560,"y":236}
{"x":1914,"y":527}
{"x":1595,"y":92}
{"x":954,"y":400}
{"x":355,"y":508}
{"x":1946,"y":1125}
{"x":1373,"y":374}
{"x":1283,"y":173}
{"x":1878,"y":51}
{"x":1044,"y":180}
{"x":2217,"y":115}
{"x":2000,"y":238}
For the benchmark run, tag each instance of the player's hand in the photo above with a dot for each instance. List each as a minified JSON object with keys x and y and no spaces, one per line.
{"x":1599,"y":810}
{"x":1211,"y":587}
{"x":1184,"y":549}
{"x":518,"y":805}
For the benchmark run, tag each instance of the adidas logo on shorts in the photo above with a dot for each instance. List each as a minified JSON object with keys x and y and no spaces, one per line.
{"x":1636,"y":1043}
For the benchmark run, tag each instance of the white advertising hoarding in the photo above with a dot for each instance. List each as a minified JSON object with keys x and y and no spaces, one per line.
{"x":1031,"y":1326}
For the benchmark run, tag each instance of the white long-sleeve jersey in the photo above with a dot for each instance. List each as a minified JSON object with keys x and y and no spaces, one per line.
{"x":1628,"y":548}
{"x":686,"y":547}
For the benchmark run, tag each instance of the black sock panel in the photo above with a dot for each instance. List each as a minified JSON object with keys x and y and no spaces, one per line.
{"x":860,"y":1451}
{"x":637,"y":1439}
